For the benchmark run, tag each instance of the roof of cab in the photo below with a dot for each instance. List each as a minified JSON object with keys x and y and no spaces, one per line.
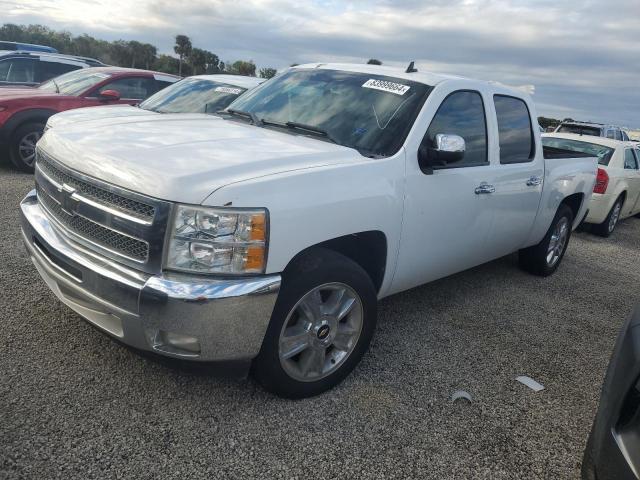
{"x":428,"y":78}
{"x":236,"y":80}
{"x":604,"y":141}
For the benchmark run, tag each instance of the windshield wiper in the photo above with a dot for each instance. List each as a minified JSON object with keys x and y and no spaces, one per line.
{"x":241,"y":113}
{"x":311,"y":129}
{"x":299,"y":126}
{"x":56,"y":85}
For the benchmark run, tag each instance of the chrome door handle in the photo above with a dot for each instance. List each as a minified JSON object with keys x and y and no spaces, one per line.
{"x":534,"y":181}
{"x":485,"y":188}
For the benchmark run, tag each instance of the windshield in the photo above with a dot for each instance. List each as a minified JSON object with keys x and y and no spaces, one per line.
{"x":371,"y":113}
{"x":74,"y":83}
{"x":193,"y":95}
{"x":603,"y":153}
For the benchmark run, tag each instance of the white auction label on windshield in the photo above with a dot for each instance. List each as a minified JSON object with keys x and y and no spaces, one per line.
{"x":385,"y":86}
{"x":233,"y":91}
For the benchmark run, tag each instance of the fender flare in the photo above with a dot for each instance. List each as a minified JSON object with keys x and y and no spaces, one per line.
{"x":22,"y":117}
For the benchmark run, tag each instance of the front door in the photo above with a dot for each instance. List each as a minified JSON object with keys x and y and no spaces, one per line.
{"x":446,"y":222}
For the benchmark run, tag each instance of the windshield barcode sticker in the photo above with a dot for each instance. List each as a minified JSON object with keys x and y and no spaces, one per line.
{"x":233,"y":91}
{"x":385,"y":86}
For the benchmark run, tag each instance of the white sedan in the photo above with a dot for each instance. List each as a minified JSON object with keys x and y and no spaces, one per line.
{"x":197,"y":94}
{"x":617,"y":192}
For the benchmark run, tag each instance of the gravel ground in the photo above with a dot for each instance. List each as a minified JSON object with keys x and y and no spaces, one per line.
{"x":75,"y":404}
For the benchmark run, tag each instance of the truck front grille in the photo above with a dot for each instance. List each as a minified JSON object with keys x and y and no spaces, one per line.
{"x":119,"y":224}
{"x":126,"y":205}
{"x":93,"y":232}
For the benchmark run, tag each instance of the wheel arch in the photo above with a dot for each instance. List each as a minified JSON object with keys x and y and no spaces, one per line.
{"x":368,"y":249}
{"x":25,"y":116}
{"x":574,"y":202}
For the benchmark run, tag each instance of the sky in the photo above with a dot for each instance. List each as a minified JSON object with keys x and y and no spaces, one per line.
{"x":582,"y":56}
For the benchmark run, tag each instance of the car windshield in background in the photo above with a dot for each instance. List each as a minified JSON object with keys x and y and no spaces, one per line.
{"x":193,"y":95}
{"x":580,"y":130}
{"x":371,"y":113}
{"x":603,"y":153}
{"x":74,"y":83}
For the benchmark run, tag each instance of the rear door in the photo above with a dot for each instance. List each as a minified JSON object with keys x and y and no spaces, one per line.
{"x":632,"y":174}
{"x":518,"y":175}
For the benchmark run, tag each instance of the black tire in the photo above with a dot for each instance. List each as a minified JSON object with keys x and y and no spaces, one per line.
{"x":588,"y":466}
{"x":33,"y":129}
{"x":534,"y":259}
{"x":606,"y":228}
{"x":317,"y":267}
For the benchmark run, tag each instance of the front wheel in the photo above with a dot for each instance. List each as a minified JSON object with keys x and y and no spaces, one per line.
{"x":606,"y":228}
{"x":544,"y":258}
{"x":321,"y":326}
{"x":22,"y":147}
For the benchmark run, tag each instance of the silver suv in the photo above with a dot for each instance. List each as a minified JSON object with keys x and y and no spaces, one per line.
{"x":29,"y":69}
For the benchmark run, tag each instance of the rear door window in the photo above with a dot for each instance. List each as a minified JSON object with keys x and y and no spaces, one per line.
{"x":517,"y":143}
{"x":49,"y":70}
{"x":630,"y":161}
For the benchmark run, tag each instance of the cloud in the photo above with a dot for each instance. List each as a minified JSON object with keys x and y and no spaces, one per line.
{"x":582,"y":56}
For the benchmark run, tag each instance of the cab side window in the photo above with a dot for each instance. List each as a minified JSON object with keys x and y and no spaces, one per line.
{"x":630,"y":161}
{"x":517,"y":143}
{"x":462,"y":113}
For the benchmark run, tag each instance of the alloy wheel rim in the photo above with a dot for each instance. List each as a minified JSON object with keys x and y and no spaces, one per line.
{"x":558,"y":241}
{"x":615,"y":216}
{"x":27,"y":148}
{"x":320,"y":332}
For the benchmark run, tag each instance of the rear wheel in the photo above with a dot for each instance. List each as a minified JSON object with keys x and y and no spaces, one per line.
{"x":606,"y":228}
{"x":321,"y":326}
{"x":22,"y":147}
{"x":544,"y":258}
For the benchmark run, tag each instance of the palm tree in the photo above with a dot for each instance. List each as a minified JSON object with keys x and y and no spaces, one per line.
{"x":183,"y":49}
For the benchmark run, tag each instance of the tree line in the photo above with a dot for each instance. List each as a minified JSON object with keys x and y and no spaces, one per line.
{"x":130,"y":53}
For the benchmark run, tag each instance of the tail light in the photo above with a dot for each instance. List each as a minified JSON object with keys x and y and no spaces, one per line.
{"x":602,"y":181}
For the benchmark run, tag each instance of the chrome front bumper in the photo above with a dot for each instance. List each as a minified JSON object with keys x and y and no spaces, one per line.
{"x":181,"y":316}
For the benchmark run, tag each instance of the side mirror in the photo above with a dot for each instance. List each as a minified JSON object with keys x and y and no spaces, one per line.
{"x":448,"y":149}
{"x":109,"y":95}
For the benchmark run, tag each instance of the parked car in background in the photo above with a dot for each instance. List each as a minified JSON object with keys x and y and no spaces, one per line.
{"x":26,"y":47}
{"x":593,"y":129}
{"x":269,"y":233}
{"x":28,"y":69}
{"x":197,"y":94}
{"x":24,"y":112}
{"x":617,"y":192}
{"x":613,"y":448}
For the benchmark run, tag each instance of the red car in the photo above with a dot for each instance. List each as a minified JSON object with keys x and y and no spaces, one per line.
{"x":24,"y":111}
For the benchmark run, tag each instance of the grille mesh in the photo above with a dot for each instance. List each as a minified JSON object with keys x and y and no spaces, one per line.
{"x":94,"y":232}
{"x":131,"y":207}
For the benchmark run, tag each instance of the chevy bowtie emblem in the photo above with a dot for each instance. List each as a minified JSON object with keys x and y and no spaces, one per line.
{"x":68,"y":203}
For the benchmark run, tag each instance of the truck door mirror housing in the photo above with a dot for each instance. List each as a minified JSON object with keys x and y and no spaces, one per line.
{"x":109,"y":95}
{"x":448,"y":149}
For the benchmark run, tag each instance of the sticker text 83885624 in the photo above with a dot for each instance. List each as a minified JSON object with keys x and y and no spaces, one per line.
{"x":386,"y":86}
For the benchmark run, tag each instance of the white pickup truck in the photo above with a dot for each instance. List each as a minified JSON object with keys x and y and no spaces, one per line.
{"x":267,"y":234}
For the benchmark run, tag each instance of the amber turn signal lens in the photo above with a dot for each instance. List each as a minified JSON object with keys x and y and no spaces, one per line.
{"x":258,"y":227}
{"x":254,"y":261}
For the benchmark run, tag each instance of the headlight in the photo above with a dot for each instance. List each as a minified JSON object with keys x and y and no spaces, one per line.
{"x":218,"y":240}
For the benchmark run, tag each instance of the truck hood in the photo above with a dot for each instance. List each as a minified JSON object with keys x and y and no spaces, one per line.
{"x":184,"y":157}
{"x":96,"y":113}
